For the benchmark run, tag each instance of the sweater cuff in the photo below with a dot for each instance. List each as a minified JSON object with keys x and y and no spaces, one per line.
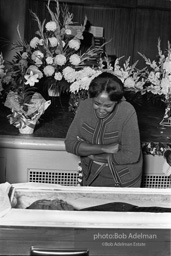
{"x":76,"y":147}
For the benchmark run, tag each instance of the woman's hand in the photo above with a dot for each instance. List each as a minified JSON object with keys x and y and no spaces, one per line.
{"x":111,"y":148}
{"x":103,"y":158}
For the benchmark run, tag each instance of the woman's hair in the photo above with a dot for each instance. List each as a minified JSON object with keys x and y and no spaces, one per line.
{"x":109,"y":83}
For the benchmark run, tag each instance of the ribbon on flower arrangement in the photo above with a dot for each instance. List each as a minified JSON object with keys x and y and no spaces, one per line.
{"x":19,"y":120}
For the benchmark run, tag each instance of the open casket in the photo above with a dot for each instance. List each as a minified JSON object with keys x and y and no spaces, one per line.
{"x":133,"y":220}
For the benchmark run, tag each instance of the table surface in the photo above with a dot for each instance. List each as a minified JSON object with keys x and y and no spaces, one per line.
{"x":57,"y":119}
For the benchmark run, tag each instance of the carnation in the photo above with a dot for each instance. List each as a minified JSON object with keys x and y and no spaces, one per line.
{"x":75,"y":59}
{"x":49,"y":70}
{"x":60,"y":59}
{"x":49,"y":60}
{"x":51,"y":26}
{"x":34,"y":42}
{"x":69,"y":74}
{"x":74,"y":44}
{"x":58,"y":76}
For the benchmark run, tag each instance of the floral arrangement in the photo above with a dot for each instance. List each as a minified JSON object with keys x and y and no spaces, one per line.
{"x":158,"y":72}
{"x":132,"y":78}
{"x":52,"y":54}
{"x":50,"y":57}
{"x":158,"y":79}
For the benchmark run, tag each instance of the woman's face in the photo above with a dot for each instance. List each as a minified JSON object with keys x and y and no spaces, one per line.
{"x":103,"y":105}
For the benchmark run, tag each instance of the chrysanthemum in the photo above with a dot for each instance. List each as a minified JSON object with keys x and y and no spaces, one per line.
{"x":51,"y":26}
{"x":74,"y":44}
{"x":60,"y":59}
{"x":34,"y":42}
{"x":49,"y":70}
{"x":75,"y":59}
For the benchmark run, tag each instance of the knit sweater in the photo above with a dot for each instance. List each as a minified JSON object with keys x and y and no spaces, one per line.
{"x":121,"y":127}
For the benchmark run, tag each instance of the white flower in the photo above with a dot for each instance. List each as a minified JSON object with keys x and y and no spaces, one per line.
{"x":51,"y":26}
{"x":24,"y":55}
{"x":41,"y":42}
{"x":129,"y":82}
{"x":53,"y":41}
{"x":34,"y":70}
{"x":165,"y":84}
{"x":49,"y":60}
{"x":58,"y":76}
{"x":34,"y":42}
{"x":37,"y":57}
{"x":31,"y":79}
{"x":69,"y":74}
{"x":167,"y":66}
{"x":74,"y":44}
{"x":139,"y":85}
{"x":68,"y":31}
{"x":49,"y":70}
{"x":75,"y":59}
{"x":60,"y":60}
{"x":75,"y":87}
{"x":85,"y":82}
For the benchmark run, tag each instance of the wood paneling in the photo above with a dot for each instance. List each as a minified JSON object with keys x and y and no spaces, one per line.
{"x":129,"y":26}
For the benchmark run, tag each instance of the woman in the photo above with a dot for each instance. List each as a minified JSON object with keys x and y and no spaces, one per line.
{"x":105,"y":134}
